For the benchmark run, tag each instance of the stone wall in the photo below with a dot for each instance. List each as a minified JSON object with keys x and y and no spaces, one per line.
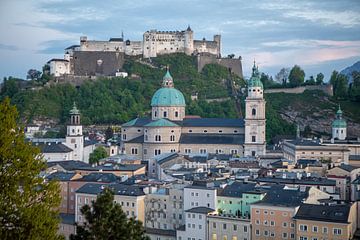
{"x":234,"y":64}
{"x":327,"y":89}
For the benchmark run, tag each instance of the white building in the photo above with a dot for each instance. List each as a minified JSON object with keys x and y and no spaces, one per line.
{"x":339,"y":126}
{"x":59,"y":67}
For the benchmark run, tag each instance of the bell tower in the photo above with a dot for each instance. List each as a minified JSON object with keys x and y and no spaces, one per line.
{"x":74,"y":135}
{"x":255,"y":140}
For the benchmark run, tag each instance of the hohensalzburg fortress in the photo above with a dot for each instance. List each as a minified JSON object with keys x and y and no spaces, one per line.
{"x":155,"y":43}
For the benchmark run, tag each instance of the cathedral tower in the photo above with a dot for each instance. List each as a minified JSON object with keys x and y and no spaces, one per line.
{"x":74,"y":136}
{"x":255,"y":140}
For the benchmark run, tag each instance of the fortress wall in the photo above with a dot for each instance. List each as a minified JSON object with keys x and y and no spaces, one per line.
{"x":327,"y":89}
{"x":232,"y":63}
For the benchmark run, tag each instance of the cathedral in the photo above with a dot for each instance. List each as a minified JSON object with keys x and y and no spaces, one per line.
{"x":169,"y":130}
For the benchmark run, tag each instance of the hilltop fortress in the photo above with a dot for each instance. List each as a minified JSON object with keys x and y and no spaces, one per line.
{"x":106,"y":58}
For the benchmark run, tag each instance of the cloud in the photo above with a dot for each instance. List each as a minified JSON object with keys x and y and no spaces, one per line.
{"x":311,"y":43}
{"x":8,"y":47}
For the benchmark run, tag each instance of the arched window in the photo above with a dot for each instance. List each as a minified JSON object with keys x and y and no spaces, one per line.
{"x":253,"y":111}
{"x":165,"y":114}
{"x":172,"y":138}
{"x":157,"y":138}
{"x":176,"y":114}
{"x":155,"y":113}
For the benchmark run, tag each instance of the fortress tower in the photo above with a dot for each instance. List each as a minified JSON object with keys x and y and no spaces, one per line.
{"x":74,"y":136}
{"x":189,"y":41}
{"x":255,"y":140}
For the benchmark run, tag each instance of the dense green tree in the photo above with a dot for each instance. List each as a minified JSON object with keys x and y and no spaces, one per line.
{"x":319,"y":79}
{"x":310,"y":81}
{"x":28,"y":203}
{"x":354,"y":91}
{"x":109,"y":133}
{"x":340,"y":85}
{"x":296,"y":76}
{"x":97,"y":154}
{"x":106,"y":220}
{"x":10,"y":88}
{"x":33,"y":74}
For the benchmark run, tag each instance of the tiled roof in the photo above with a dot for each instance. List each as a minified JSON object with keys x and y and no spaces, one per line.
{"x":69,"y":165}
{"x":236,"y":189}
{"x":99,"y":177}
{"x":278,"y":196}
{"x":52,"y":147}
{"x":303,"y":181}
{"x":347,"y":167}
{"x":61,"y":176}
{"x":137,"y":122}
{"x":203,"y":210}
{"x":204,"y":138}
{"x":72,"y":46}
{"x":304,"y":142}
{"x":118,"y":189}
{"x":324,"y":213}
{"x":162,"y":122}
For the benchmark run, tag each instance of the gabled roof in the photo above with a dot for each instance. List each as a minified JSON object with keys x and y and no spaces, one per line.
{"x":118,"y":189}
{"x":69,"y":165}
{"x":61,"y":176}
{"x":347,"y":167}
{"x":324,"y":213}
{"x":236,"y":189}
{"x":205,"y":138}
{"x":278,"y":196}
{"x":52,"y":147}
{"x":202,"y":210}
{"x":99,"y":177}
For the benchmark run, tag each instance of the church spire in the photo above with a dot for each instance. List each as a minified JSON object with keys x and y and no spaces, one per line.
{"x":167,"y":79}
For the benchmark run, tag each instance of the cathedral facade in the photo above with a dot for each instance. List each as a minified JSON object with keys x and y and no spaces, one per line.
{"x":169,"y":130}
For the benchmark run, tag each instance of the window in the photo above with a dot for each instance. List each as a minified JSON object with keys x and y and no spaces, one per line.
{"x":146,"y":138}
{"x":303,"y":238}
{"x":284,"y":235}
{"x":257,"y":232}
{"x":285,"y":224}
{"x":176,"y":114}
{"x":303,"y":227}
{"x":155,"y":113}
{"x":257,"y":222}
{"x":200,"y":227}
{"x":224,"y":226}
{"x":172,"y":138}
{"x":203,"y":150}
{"x":253,"y":153}
{"x":86,"y":200}
{"x":124,"y":136}
{"x":245,"y":228}
{"x":257,"y":211}
{"x":214,"y":225}
{"x":337,"y":231}
{"x":165,"y":114}
{"x":145,"y":151}
{"x":157,"y":152}
{"x":315,"y":229}
{"x":253,"y":112}
{"x":235,"y":227}
{"x":134,"y":151}
{"x":218,"y":151}
{"x":285,"y":214}
{"x":272,"y":223}
{"x":234,"y":151}
{"x":157,"y":138}
{"x":265,"y":212}
{"x":266,"y":233}
{"x":272,"y":234}
{"x":253,"y":138}
{"x":187,"y":150}
{"x":325,"y":230}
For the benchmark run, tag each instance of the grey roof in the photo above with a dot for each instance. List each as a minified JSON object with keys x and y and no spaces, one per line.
{"x":61,"y":176}
{"x":204,"y":138}
{"x":117,"y":167}
{"x":72,"y":46}
{"x":118,"y":189}
{"x":354,"y":157}
{"x":140,"y":122}
{"x":67,"y":218}
{"x":304,"y":142}
{"x":236,"y":189}
{"x":324,"y":213}
{"x":278,"y":196}
{"x":304,"y":181}
{"x":203,"y":210}
{"x":52,"y":147}
{"x":58,"y":60}
{"x":99,"y":177}
{"x":89,"y":142}
{"x":114,"y":39}
{"x":139,"y":139}
{"x":347,"y":167}
{"x":69,"y":165}
{"x":213,"y":122}
{"x":166,"y":157}
{"x":161,"y":232}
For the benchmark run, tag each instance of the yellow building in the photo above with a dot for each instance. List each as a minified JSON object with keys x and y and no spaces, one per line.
{"x":316,"y":222}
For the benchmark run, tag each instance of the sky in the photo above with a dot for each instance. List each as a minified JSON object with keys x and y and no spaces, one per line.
{"x":320,"y":36}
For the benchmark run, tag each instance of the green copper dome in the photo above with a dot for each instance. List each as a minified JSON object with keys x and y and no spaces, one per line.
{"x":168,"y":95}
{"x":339,"y":123}
{"x":255,"y":81}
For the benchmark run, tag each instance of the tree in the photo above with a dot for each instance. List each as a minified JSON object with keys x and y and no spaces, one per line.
{"x":355,"y":87}
{"x":340,"y":85}
{"x":282,"y":76}
{"x":33,"y":74}
{"x":97,"y":154}
{"x":319,"y":79}
{"x":28,"y":203}
{"x":109,"y":133}
{"x":310,"y":81}
{"x":106,"y":220}
{"x":296,"y":76}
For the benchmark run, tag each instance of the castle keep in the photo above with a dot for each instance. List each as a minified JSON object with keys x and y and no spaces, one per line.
{"x":106,"y":58}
